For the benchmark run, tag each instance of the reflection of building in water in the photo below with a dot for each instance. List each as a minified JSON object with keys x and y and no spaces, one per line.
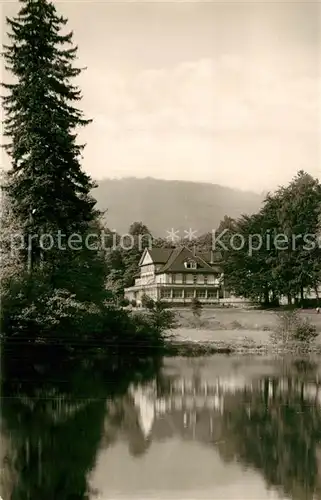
{"x":237,"y":417}
{"x":191,"y":406}
{"x":308,"y":391}
{"x":144,"y":397}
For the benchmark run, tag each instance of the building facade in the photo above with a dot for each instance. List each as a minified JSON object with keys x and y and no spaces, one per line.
{"x":177,"y":275}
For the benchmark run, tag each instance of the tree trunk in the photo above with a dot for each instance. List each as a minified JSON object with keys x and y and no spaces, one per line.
{"x":275,"y":299}
{"x":302,"y":295}
{"x":316,"y":293}
{"x":266,"y":297}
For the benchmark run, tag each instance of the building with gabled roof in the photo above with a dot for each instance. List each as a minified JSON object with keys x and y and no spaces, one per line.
{"x":177,"y":275}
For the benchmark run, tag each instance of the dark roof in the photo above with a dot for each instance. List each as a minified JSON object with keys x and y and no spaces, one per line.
{"x":178,"y":257}
{"x":160,"y":255}
{"x":173,"y":259}
{"x":175,"y":253}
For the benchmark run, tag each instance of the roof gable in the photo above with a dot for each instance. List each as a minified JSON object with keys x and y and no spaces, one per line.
{"x":179,"y":256}
{"x":146,"y":258}
{"x":173,"y":259}
{"x":160,"y":255}
{"x":155,"y":256}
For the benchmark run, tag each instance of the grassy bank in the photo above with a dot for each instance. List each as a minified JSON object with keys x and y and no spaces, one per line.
{"x":194,"y":349}
{"x":237,"y":319}
{"x":243,"y":331}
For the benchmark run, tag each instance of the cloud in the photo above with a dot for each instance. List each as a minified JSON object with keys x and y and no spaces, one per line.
{"x":234,"y":120}
{"x":207,"y":97}
{"x":227,"y":120}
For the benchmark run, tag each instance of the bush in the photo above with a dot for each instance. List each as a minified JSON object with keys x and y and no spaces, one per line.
{"x":305,"y":331}
{"x":196,"y":307}
{"x":32,"y":312}
{"x":147,"y":302}
{"x":161,"y":318}
{"x":292,"y":328}
{"x":124,"y":302}
{"x":133,"y":303}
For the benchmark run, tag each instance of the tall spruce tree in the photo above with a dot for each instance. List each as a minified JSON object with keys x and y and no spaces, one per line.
{"x":41,"y":121}
{"x":48,"y":191}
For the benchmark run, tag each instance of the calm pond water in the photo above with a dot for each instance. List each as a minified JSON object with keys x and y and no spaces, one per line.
{"x":202,"y":428}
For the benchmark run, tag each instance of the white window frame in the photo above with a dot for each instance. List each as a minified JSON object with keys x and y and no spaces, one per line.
{"x":201,"y":294}
{"x":191,"y":264}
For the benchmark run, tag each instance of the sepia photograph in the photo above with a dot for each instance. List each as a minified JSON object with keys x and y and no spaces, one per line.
{"x":160,"y":278}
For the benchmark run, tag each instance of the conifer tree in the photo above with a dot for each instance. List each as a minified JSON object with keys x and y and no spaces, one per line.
{"x":48,"y":191}
{"x":41,"y":121}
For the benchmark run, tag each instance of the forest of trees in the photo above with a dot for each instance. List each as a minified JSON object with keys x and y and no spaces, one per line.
{"x":46,"y":194}
{"x":275,"y":252}
{"x":53,"y":293}
{"x":282,"y":251}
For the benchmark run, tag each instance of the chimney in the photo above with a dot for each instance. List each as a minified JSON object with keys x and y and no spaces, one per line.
{"x":194,"y":250}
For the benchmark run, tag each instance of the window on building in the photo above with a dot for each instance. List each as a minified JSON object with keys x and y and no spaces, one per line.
{"x":178,"y":278}
{"x":189,"y":294}
{"x":190,"y":264}
{"x":212,"y":294}
{"x":189,"y":279}
{"x":165,"y":293}
{"x":201,"y":294}
{"x":200,"y":279}
{"x":177,"y":294}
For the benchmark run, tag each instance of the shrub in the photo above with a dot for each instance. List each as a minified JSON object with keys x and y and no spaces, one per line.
{"x":305,"y":331}
{"x":292,"y":328}
{"x":162,"y":318}
{"x":32,"y":312}
{"x":196,"y":307}
{"x":236,"y":325}
{"x":124,"y":302}
{"x":133,"y":303}
{"x":147,"y":302}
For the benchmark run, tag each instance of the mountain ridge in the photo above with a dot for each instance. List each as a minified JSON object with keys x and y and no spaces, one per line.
{"x":164,"y":205}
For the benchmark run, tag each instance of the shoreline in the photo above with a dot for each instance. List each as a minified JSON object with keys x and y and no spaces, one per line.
{"x":235,"y":332}
{"x":190,"y":348}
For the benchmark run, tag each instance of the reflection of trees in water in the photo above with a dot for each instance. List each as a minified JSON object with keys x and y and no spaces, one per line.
{"x":277,"y":434}
{"x":273,"y":425}
{"x":122,"y":422}
{"x":50,"y":457}
{"x":52,"y":426}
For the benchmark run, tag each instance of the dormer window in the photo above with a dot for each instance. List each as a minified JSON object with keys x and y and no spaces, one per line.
{"x":190,"y":264}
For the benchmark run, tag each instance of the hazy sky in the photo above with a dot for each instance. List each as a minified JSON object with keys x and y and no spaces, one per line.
{"x":220,"y":92}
